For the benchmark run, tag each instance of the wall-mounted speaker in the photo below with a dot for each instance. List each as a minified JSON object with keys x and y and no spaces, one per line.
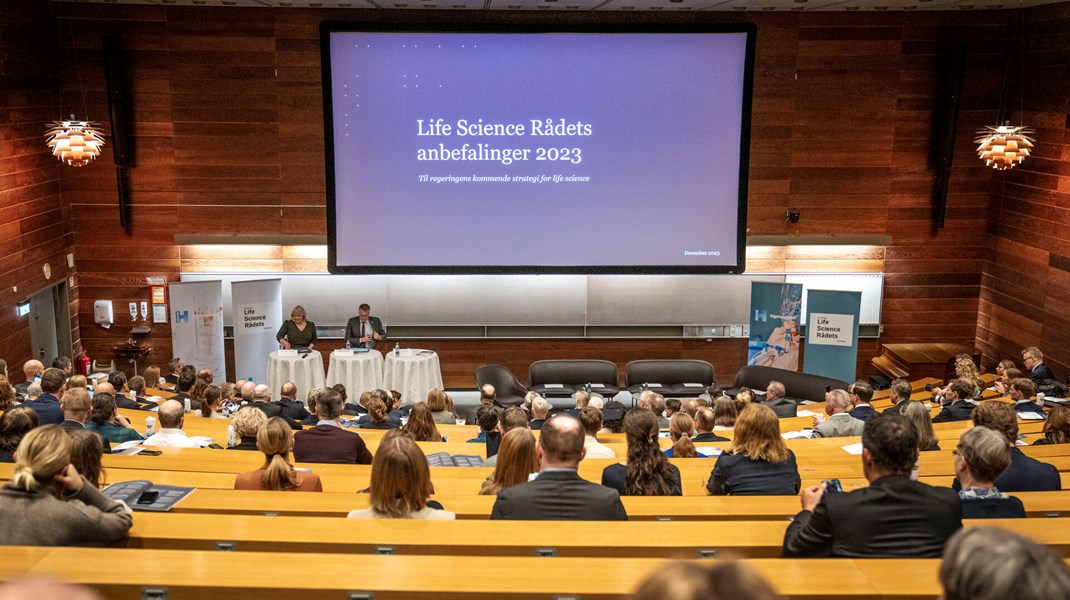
{"x":945,"y":126}
{"x":119,"y":109}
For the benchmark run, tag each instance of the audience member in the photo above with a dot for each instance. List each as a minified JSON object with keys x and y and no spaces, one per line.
{"x":539,"y":409}
{"x":657,"y":406}
{"x":206,"y":376}
{"x":354,"y":408}
{"x":892,"y":517}
{"x":274,"y":439}
{"x":174,"y":368}
{"x":966,"y":369}
{"x":14,"y":424}
{"x":244,"y":425}
{"x":985,"y":563}
{"x":171,"y":417}
{"x":421,"y":426}
{"x":262,"y":400}
{"x":436,"y":401}
{"x":34,"y":391}
{"x":923,"y":425}
{"x":487,"y":419}
{"x":152,"y":378}
{"x":86,"y":454}
{"x":1056,"y":427}
{"x":515,"y":462}
{"x":314,"y":396}
{"x":899,"y":392}
{"x":31,"y":369}
{"x":757,"y":463}
{"x":775,"y":399}
{"x":1022,"y":391}
{"x":328,"y":442}
{"x":957,"y":405}
{"x":7,"y":394}
{"x":1003,"y":365}
{"x":118,"y":382}
{"x":75,"y":408}
{"x":401,"y":482}
{"x":53,"y":384}
{"x":648,"y":472}
{"x":105,"y":421}
{"x":839,"y":423}
{"x":390,"y":416}
{"x":721,"y":580}
{"x":613,"y":417}
{"x":1002,"y":385}
{"x":136,"y":385}
{"x":377,"y":415}
{"x":744,"y":397}
{"x":558,"y":492}
{"x":184,"y":387}
{"x":724,"y":415}
{"x":1033,"y":359}
{"x":1025,"y":474}
{"x":42,"y":483}
{"x":672,"y":406}
{"x":591,"y":419}
{"x":511,"y":418}
{"x":860,"y":395}
{"x":212,"y":405}
{"x":681,"y":428}
{"x":582,"y":398}
{"x":63,"y":363}
{"x":291,"y":406}
{"x":981,"y":456}
{"x":80,"y":381}
{"x":690,"y":406}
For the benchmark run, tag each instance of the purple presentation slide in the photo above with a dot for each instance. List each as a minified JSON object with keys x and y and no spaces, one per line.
{"x":493,"y":150}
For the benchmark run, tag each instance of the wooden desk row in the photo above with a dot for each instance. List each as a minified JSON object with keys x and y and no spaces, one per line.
{"x":209,"y":575}
{"x":623,"y":539}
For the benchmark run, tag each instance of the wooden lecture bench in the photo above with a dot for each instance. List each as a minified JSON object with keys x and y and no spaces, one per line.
{"x":670,"y":539}
{"x":211,"y":575}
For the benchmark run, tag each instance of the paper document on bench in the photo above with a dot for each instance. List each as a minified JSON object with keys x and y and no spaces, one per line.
{"x":131,"y":491}
{"x":855,"y":449}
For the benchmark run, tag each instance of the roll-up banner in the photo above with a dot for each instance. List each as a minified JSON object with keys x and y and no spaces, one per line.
{"x":832,"y":333}
{"x":774,"y":325}
{"x":257,"y":318}
{"x":197,"y":325}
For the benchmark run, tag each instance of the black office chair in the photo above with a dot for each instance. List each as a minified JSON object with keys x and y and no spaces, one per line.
{"x":509,"y":390}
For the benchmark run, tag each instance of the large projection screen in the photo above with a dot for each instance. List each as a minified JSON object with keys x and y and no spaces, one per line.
{"x":567,"y":151}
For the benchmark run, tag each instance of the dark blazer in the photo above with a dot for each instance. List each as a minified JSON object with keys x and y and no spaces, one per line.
{"x":330,"y":444}
{"x":864,"y":412}
{"x":1040,"y":373}
{"x":1027,"y":406}
{"x":72,"y":425}
{"x":353,"y":331}
{"x":959,"y":410}
{"x":993,"y":508}
{"x":614,"y":476}
{"x":536,"y":424}
{"x":709,"y":437}
{"x":124,"y":401}
{"x":740,"y":475}
{"x":894,"y":410}
{"x":271,"y":409}
{"x":248,"y":442}
{"x":1026,"y":474}
{"x":882,"y":520}
{"x":293,"y":409}
{"x":47,"y":408}
{"x":783,"y":407}
{"x":365,"y":420}
{"x":559,"y":496}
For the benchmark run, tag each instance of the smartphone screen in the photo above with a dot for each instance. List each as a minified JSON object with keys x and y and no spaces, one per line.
{"x":833,"y":485}
{"x":148,"y":497}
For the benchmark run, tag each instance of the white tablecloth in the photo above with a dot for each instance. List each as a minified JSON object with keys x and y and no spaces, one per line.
{"x":360,"y":372}
{"x":412,"y":374}
{"x":306,"y":373}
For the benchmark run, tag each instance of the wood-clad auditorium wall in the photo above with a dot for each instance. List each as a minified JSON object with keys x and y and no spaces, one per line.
{"x":229,"y":140}
{"x":1025,"y":288}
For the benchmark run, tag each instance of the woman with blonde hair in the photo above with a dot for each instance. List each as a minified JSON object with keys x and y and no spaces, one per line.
{"x":377,"y":411}
{"x":647,"y":472}
{"x":42,"y":484}
{"x":421,"y":426}
{"x":724,"y":413}
{"x":7,"y":393}
{"x":400,"y":483}
{"x":297,"y":332}
{"x":743,"y":397}
{"x":681,"y":429}
{"x":275,"y":439}
{"x":923,"y":424}
{"x":212,"y":404}
{"x":966,"y":369}
{"x":516,"y":461}
{"x":757,"y":463}
{"x":437,"y":401}
{"x":152,"y":377}
{"x":77,"y":381}
{"x":87,"y":451}
{"x":243,"y":428}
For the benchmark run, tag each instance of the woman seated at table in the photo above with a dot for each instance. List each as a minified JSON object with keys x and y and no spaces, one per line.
{"x":516,"y":461}
{"x":152,"y":377}
{"x":923,"y":423}
{"x":421,"y":426}
{"x":437,"y":402}
{"x":400,"y":482}
{"x":14,"y":424}
{"x":42,"y":483}
{"x":377,"y":415}
{"x":757,"y":463}
{"x":681,"y":429}
{"x":105,"y":420}
{"x":297,"y":332}
{"x":1056,"y":427}
{"x":243,"y":428}
{"x":212,"y":405}
{"x":87,"y":452}
{"x":648,"y":472}
{"x":724,"y":413}
{"x":981,"y":456}
{"x":274,"y":440}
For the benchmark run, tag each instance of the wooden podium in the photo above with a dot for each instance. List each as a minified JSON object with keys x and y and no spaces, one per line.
{"x":918,"y":360}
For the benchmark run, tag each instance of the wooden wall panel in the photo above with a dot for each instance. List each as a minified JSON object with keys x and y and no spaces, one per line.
{"x":229,"y":136}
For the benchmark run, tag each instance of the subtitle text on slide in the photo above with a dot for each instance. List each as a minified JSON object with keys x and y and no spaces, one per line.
{"x":556,"y":178}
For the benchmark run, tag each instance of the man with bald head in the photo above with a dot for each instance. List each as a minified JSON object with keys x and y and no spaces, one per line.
{"x":31,"y":369}
{"x":559,"y":493}
{"x":262,"y":399}
{"x":291,"y":406}
{"x":246,"y":391}
{"x":171,"y":417}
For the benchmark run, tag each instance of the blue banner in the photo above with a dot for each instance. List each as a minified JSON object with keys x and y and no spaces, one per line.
{"x":774,"y":325}
{"x":832,"y":333}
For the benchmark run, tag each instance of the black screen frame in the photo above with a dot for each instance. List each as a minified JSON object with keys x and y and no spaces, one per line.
{"x":401,"y":26}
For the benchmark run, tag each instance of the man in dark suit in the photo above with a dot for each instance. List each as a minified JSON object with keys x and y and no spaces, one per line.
{"x":31,"y":369}
{"x":262,"y":400}
{"x":775,"y":399}
{"x":1033,"y":359}
{"x":559,"y":493}
{"x":363,"y":330}
{"x":893,"y":517}
{"x":957,"y":406}
{"x":290,"y":406}
{"x":861,"y":394}
{"x":75,"y":409}
{"x":1022,"y":391}
{"x":704,"y":422}
{"x":186,"y":379}
{"x":118,"y":382}
{"x":53,"y":384}
{"x":327,"y":442}
{"x":1026,"y":474}
{"x":899,"y":392}
{"x":174,"y":368}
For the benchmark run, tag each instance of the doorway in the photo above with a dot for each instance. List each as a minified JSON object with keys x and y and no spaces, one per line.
{"x":50,"y":324}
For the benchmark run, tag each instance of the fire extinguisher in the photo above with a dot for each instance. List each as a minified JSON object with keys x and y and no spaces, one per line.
{"x":84,"y":362}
